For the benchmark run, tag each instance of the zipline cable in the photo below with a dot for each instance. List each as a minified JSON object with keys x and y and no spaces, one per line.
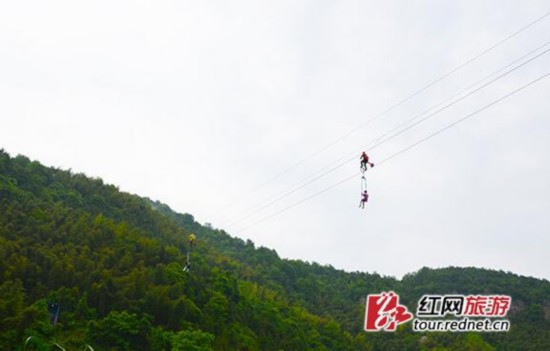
{"x":494,"y":102}
{"x":389,"y":109}
{"x":352,"y":158}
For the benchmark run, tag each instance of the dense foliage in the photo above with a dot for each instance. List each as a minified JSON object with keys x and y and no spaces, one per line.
{"x":113,"y":261}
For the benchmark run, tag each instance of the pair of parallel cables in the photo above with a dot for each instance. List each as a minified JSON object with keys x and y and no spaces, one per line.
{"x":401,"y":128}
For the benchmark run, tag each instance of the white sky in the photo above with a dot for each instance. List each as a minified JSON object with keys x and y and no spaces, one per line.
{"x":195,"y":103}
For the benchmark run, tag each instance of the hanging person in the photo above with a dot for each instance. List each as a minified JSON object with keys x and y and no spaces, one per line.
{"x":53,"y":311}
{"x":364,"y":199}
{"x":365,"y":162}
{"x":192,"y":238}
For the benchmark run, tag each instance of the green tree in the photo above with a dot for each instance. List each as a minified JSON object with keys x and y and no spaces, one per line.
{"x":121,"y":331}
{"x":192,"y":340}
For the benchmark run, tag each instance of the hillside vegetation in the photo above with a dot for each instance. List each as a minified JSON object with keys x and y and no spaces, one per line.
{"x":113,"y":261}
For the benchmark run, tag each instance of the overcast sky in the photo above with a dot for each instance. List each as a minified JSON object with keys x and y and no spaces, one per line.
{"x":198,"y":103}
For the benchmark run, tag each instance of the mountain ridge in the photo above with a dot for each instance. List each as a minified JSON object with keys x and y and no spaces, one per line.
{"x":115,"y":259}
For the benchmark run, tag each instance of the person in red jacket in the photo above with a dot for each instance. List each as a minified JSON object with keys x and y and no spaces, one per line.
{"x":365,"y":162}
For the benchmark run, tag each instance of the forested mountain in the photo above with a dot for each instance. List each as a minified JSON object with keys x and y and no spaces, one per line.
{"x":113,"y":262}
